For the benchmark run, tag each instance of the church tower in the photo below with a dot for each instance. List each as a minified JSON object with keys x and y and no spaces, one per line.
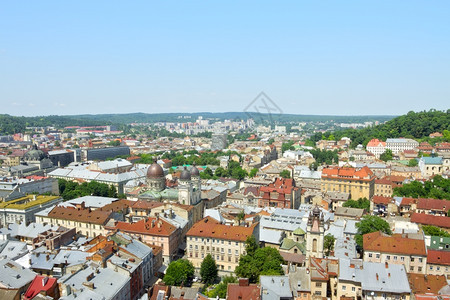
{"x":315,"y":234}
{"x":156,"y":180}
{"x":197,"y":185}
{"x":185,"y":188}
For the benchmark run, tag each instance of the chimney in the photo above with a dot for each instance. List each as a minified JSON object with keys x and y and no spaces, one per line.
{"x":377,"y":277}
{"x":386,"y":265}
{"x":44,"y":281}
{"x":243,"y":281}
{"x":47,"y":257}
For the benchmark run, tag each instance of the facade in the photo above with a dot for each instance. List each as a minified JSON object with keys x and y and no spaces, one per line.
{"x":282,"y":193}
{"x":430,"y":166}
{"x":376,"y":147}
{"x":438,"y":263}
{"x":105,"y":153}
{"x":224,"y":242}
{"x":359,"y":183}
{"x":90,"y":223}
{"x":315,"y":234}
{"x":396,"y":249}
{"x":401,"y":144}
{"x":24,"y":209}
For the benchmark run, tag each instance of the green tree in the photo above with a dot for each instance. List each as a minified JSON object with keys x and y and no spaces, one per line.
{"x":251,"y":245}
{"x":221,"y":172}
{"x":208,"y":270}
{"x":370,"y":224}
{"x":360,"y":203}
{"x":265,"y":261}
{"x":179,"y":272}
{"x":387,"y":155}
{"x":114,"y":143}
{"x":412,"y":163}
{"x":221,"y":288}
{"x":253,"y":172}
{"x":328,"y":243}
{"x":287,"y":146}
{"x":434,"y":231}
{"x":285,"y":174}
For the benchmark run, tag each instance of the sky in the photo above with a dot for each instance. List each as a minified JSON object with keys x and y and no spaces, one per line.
{"x":309,"y":57}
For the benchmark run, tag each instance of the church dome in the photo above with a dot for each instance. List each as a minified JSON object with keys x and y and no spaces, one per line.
{"x":155,"y":171}
{"x":185,"y":174}
{"x":34,"y":154}
{"x":194,"y":171}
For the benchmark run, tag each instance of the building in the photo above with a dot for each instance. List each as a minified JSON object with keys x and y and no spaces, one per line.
{"x":219,"y":141}
{"x":14,"y":279}
{"x":359,"y":183}
{"x":104,"y":153}
{"x":376,"y":147}
{"x":243,"y":290}
{"x":430,"y":166}
{"x":401,"y":144}
{"x":154,"y":231}
{"x":438,"y":263}
{"x":24,"y":209}
{"x":395,"y":249}
{"x":90,"y":223}
{"x":425,"y":219}
{"x":224,"y":242}
{"x":282,"y":193}
{"x":62,"y":158}
{"x":315,"y":234}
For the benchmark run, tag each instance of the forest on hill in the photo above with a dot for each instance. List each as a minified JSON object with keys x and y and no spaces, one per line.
{"x":416,"y":125}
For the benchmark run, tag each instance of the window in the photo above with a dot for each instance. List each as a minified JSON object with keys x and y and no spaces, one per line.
{"x":370,"y":254}
{"x":344,"y":287}
{"x":402,"y":258}
{"x":431,"y":267}
{"x":395,"y":257}
{"x":411,"y":269}
{"x":412,"y":259}
{"x":353,"y":289}
{"x":229,"y":251}
{"x":388,"y":257}
{"x":378,"y":255}
{"x":318,"y":284}
{"x":229,"y":243}
{"x":419,"y":269}
{"x":420,"y":259}
{"x":236,"y":252}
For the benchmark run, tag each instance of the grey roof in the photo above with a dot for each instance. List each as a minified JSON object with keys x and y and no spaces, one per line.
{"x":107,"y":283}
{"x":310,"y":174}
{"x":378,"y":278}
{"x":345,"y":248}
{"x":13,"y":275}
{"x":350,"y":227}
{"x":12,"y":249}
{"x":93,"y":201}
{"x":349,"y":211}
{"x":30,"y":231}
{"x":275,"y":287}
{"x":270,"y":236}
{"x":134,"y":246}
{"x":283,"y":223}
{"x":189,"y":293}
{"x":299,"y":278}
{"x":215,"y":214}
{"x":335,"y":230}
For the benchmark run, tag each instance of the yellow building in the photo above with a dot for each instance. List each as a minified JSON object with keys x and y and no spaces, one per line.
{"x":359,"y":183}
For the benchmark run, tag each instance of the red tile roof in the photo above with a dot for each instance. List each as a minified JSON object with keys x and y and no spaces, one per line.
{"x":423,"y":284}
{"x":438,"y":257}
{"x":425,"y":219}
{"x":381,"y":200}
{"x":348,"y":173}
{"x":149,"y":226}
{"x":210,"y":228}
{"x":376,"y":143}
{"x":434,"y":204}
{"x":379,"y":242}
{"x":80,"y":215}
{"x":247,"y":292}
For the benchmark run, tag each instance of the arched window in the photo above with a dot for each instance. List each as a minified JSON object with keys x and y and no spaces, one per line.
{"x":314,"y":248}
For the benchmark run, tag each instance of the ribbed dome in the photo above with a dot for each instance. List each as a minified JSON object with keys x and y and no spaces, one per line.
{"x":155,"y":171}
{"x":194,"y":171}
{"x":34,"y":154}
{"x":185,"y":174}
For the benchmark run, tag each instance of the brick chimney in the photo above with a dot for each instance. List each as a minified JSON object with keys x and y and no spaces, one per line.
{"x":243,"y":281}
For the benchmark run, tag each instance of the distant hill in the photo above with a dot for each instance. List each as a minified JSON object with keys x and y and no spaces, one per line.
{"x":259,"y":118}
{"x":12,"y":124}
{"x":416,"y":125}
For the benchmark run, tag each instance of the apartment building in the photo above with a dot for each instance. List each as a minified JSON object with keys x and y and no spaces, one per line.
{"x":224,"y":242}
{"x":396,"y":249}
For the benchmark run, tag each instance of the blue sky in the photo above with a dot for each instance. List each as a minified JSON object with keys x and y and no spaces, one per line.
{"x":309,"y":57}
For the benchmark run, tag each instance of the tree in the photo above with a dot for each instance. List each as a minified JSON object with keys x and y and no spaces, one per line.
{"x":265,"y":261}
{"x":114,"y":143}
{"x":387,"y":155}
{"x":251,"y":245}
{"x":370,"y":224}
{"x":179,"y":272}
{"x":285,"y":174}
{"x":360,"y":203}
{"x":412,"y":163}
{"x":221,"y":172}
{"x":208,"y":270}
{"x":253,"y":172}
{"x":434,"y":231}
{"x":57,"y":143}
{"x":328,"y":243}
{"x":221,"y":289}
{"x":313,"y":166}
